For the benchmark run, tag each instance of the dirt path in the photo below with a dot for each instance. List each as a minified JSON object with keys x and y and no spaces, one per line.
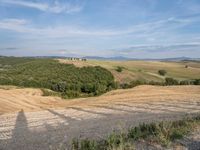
{"x":54,"y":127}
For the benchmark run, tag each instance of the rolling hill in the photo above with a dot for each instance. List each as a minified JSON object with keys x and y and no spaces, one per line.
{"x":145,"y":70}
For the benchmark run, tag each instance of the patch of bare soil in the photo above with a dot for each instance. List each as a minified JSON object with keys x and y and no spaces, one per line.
{"x":31,"y":121}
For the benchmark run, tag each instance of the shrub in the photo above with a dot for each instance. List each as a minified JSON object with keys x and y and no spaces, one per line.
{"x":171,"y":81}
{"x":132,"y":84}
{"x":143,"y":131}
{"x":185,"y":82}
{"x":98,"y":88}
{"x":47,"y":92}
{"x":70,"y":94}
{"x":136,"y":83}
{"x":119,"y":69}
{"x":124,"y":86}
{"x":114,"y":85}
{"x":162,"y":72}
{"x":88,"y":145}
{"x":84,"y":145}
{"x":88,"y":88}
{"x":156,"y":83}
{"x":196,"y":82}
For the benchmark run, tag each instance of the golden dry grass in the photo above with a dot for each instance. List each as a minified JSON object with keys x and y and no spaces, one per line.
{"x":28,"y":99}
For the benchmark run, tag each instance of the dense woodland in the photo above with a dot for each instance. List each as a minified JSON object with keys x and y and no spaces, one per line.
{"x":65,"y":79}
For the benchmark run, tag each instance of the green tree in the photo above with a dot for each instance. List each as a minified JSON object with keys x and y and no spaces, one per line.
{"x":171,"y":81}
{"x":162,"y":72}
{"x":119,"y":69}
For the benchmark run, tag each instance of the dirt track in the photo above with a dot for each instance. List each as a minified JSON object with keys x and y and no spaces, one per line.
{"x":46,"y":122}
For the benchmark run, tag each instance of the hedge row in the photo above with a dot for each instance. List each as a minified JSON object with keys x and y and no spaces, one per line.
{"x":168,"y":81}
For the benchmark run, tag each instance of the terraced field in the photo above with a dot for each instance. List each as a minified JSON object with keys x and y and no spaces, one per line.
{"x":51,"y":123}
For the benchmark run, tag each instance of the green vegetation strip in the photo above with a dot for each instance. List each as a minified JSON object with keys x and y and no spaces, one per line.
{"x":168,"y":82}
{"x":163,"y":133}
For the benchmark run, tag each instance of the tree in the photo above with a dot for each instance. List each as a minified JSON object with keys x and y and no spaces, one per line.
{"x":185,"y":82}
{"x":119,"y":69}
{"x":162,"y":72}
{"x":197,"y":82}
{"x":171,"y":81}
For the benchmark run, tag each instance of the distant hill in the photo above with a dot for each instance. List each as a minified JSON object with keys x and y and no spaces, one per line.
{"x":121,"y":58}
{"x":108,"y":58}
{"x":180,"y":59}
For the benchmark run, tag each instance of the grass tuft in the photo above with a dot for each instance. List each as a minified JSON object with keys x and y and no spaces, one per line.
{"x":163,"y":133}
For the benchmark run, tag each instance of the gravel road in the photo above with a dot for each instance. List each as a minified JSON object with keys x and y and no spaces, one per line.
{"x":53,"y":129}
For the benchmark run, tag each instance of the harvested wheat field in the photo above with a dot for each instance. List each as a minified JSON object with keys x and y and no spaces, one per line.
{"x":30,"y":121}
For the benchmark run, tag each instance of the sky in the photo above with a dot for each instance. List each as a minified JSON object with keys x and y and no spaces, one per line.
{"x":106,"y":28}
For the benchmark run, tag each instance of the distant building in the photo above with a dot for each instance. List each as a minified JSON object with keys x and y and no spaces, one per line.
{"x":76,"y":59}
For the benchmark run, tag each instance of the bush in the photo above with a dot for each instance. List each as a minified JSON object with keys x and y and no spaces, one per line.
{"x":70,"y":94}
{"x":119,"y":69}
{"x":84,"y":145}
{"x":156,"y":83}
{"x":162,"y":72}
{"x":124,"y":86}
{"x":132,"y":84}
{"x":143,"y":131}
{"x":171,"y":81}
{"x":196,"y":82}
{"x":47,"y":92}
{"x":88,"y":88}
{"x":114,"y":85}
{"x":136,"y":83}
{"x":185,"y":82}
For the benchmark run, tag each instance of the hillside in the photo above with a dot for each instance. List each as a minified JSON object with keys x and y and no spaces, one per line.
{"x":13,"y":99}
{"x":145,"y":70}
{"x":65,"y":80}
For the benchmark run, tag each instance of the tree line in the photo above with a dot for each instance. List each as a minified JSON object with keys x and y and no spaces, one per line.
{"x":168,"y":82}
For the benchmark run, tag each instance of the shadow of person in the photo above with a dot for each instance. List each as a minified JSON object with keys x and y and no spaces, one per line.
{"x":20,"y":132}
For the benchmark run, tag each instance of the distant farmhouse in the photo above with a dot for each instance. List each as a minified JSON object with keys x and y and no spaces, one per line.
{"x":76,"y":59}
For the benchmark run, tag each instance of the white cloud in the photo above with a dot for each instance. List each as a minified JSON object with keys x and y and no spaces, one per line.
{"x":163,"y":51}
{"x":140,"y":30}
{"x":14,"y":21}
{"x":76,"y":37}
{"x":56,"y":7}
{"x":16,"y":25}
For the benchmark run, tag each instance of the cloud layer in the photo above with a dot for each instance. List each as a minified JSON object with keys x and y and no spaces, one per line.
{"x":56,"y":7}
{"x":119,"y":28}
{"x":139,"y":30}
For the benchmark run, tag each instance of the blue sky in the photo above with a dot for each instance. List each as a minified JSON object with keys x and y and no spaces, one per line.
{"x":129,"y":28}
